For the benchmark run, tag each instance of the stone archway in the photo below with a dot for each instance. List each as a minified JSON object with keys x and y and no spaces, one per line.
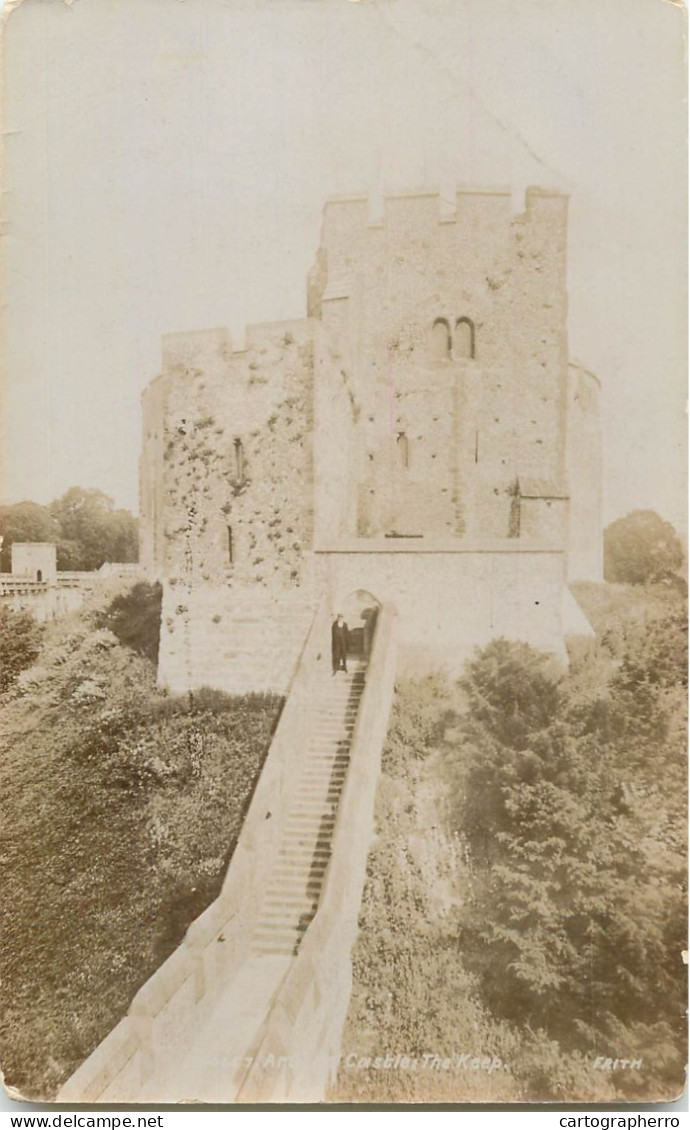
{"x":360,"y":609}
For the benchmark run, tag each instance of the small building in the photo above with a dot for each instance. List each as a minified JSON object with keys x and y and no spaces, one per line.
{"x":35,"y":560}
{"x":35,"y":586}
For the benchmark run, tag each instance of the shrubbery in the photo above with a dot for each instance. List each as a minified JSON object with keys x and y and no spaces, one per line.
{"x":526,"y":890}
{"x":121,"y":806}
{"x":135,"y":618}
{"x":573,"y":812}
{"x":20,"y":644}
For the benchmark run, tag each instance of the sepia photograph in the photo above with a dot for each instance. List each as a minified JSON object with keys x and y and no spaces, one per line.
{"x":343,"y":552}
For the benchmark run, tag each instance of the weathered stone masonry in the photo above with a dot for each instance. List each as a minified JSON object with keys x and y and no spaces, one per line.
{"x":420,"y":435}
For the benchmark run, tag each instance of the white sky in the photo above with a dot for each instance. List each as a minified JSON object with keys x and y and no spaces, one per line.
{"x":166,"y":162}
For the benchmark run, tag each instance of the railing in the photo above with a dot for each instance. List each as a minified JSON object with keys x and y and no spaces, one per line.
{"x":181,"y":993}
{"x":22,"y":586}
{"x":298,"y":1050}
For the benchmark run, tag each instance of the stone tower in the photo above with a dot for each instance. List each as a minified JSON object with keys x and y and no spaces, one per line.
{"x":450,"y":329}
{"x":419,"y":436}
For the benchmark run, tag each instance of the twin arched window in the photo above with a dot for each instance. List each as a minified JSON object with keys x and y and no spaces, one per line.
{"x":457,"y":344}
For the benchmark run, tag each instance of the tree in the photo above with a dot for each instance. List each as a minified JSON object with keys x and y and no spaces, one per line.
{"x":512,"y":690}
{"x":571,"y":836}
{"x":24,"y":521}
{"x":84,"y":525}
{"x":641,"y":548}
{"x":92,"y":531}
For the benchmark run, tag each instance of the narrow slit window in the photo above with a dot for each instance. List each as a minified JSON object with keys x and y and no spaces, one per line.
{"x":403,"y":447}
{"x":239,"y":460}
{"x":39,"y":575}
{"x":230,"y":548}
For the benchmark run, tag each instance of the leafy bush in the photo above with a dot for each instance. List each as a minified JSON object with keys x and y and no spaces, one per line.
{"x":20,"y":644}
{"x":416,"y":727}
{"x":135,"y":618}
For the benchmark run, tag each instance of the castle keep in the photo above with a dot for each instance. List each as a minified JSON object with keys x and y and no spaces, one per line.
{"x":416,"y":453}
{"x":420,"y":438}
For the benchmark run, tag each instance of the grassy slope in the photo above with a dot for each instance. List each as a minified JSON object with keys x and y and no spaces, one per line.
{"x":411,"y":994}
{"x":121,"y":809}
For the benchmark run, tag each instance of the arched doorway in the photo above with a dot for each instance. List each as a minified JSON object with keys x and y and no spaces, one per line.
{"x":360,"y":610}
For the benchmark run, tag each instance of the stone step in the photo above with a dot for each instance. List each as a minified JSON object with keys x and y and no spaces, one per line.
{"x":292,"y":913}
{"x":316,"y":785}
{"x":305,"y":895}
{"x":274,"y":937}
{"x":337,"y":754}
{"x":334,"y":720}
{"x":306,"y":862}
{"x":313,"y":832}
{"x":315,"y":840}
{"x":298,"y":857}
{"x":298,"y":820}
{"x":272,"y":949}
{"x":305,"y":873}
{"x":326,"y":770}
{"x":274,"y":924}
{"x":298,"y":889}
{"x":325,"y":792}
{"x":300,"y":867}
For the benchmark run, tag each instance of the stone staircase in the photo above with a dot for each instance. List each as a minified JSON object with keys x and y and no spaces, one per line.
{"x":294,"y":887}
{"x":251,"y":1006}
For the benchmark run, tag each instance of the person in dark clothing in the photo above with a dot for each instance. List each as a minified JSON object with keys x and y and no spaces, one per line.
{"x":339,"y":643}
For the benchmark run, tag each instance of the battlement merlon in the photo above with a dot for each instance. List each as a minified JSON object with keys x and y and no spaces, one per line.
{"x":194,"y":349}
{"x":391,"y":224}
{"x":373,"y":208}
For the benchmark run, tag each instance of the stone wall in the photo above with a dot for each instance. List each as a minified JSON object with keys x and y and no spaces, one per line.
{"x":451,"y":601}
{"x":151,"y":478}
{"x":337,"y":417}
{"x":233,"y":638}
{"x":43,"y":601}
{"x":585,"y":537}
{"x":230,"y":493}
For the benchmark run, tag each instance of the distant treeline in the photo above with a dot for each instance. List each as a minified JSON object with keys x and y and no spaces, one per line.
{"x":84,"y":525}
